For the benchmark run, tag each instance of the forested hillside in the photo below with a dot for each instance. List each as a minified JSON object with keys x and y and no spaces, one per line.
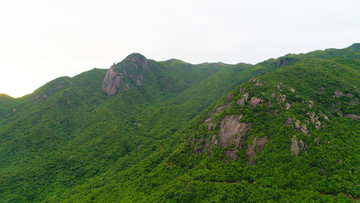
{"x":286,"y":129}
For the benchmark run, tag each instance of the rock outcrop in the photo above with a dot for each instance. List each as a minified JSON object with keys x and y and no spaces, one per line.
{"x":256,"y":101}
{"x":132,"y":68}
{"x":256,"y":146}
{"x":302,"y":128}
{"x":296,"y":146}
{"x":231,"y":132}
{"x":243,"y":99}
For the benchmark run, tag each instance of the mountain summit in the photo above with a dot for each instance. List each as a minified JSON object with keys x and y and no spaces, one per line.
{"x":126,"y":73}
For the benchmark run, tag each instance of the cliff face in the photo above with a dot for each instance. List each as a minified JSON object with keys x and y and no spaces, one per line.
{"x":124,"y":75}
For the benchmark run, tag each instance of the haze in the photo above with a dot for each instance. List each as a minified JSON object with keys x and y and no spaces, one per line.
{"x":43,"y":40}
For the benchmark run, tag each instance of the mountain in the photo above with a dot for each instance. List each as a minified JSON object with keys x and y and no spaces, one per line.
{"x":286,"y":129}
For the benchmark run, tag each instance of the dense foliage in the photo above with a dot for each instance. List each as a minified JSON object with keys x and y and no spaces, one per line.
{"x":69,"y":141}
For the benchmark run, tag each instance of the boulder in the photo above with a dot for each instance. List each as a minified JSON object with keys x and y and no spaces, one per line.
{"x":288,"y":121}
{"x":303,"y":129}
{"x":255,"y":101}
{"x":295,"y":149}
{"x":297,"y":125}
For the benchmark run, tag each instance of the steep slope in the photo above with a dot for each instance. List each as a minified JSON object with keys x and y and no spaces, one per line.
{"x":71,"y":129}
{"x":171,"y":131}
{"x":290,"y":134}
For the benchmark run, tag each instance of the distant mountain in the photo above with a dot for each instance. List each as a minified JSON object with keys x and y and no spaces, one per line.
{"x":286,"y":130}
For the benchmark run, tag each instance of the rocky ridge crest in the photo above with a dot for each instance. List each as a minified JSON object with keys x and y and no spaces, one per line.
{"x":129,"y":72}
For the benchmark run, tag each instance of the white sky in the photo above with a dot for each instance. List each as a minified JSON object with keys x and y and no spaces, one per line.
{"x":41,"y":40}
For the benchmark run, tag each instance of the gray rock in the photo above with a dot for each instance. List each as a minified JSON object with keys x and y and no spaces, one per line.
{"x":242,"y":101}
{"x":295,"y":149}
{"x":287,"y":106}
{"x":231,"y":132}
{"x":288,"y":121}
{"x":297,"y":125}
{"x":256,"y":146}
{"x":255,"y":101}
{"x":303,"y":129}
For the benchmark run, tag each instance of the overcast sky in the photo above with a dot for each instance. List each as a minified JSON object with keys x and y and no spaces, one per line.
{"x":41,"y":40}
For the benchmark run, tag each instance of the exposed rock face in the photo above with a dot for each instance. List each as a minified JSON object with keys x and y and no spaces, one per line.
{"x":231,"y":132}
{"x":257,"y":145}
{"x":112,"y":81}
{"x":255,"y":101}
{"x":229,"y":97}
{"x":132,"y":68}
{"x":230,"y":126}
{"x":242,"y":101}
{"x":211,"y":124}
{"x":221,"y":108}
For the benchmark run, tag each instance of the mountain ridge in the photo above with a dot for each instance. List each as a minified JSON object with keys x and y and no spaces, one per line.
{"x":285,"y":129}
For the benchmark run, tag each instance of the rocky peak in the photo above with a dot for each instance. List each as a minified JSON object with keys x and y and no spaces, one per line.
{"x":139,"y":61}
{"x":129,"y":72}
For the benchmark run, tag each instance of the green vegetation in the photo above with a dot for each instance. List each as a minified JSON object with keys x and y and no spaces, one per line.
{"x":152,"y":142}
